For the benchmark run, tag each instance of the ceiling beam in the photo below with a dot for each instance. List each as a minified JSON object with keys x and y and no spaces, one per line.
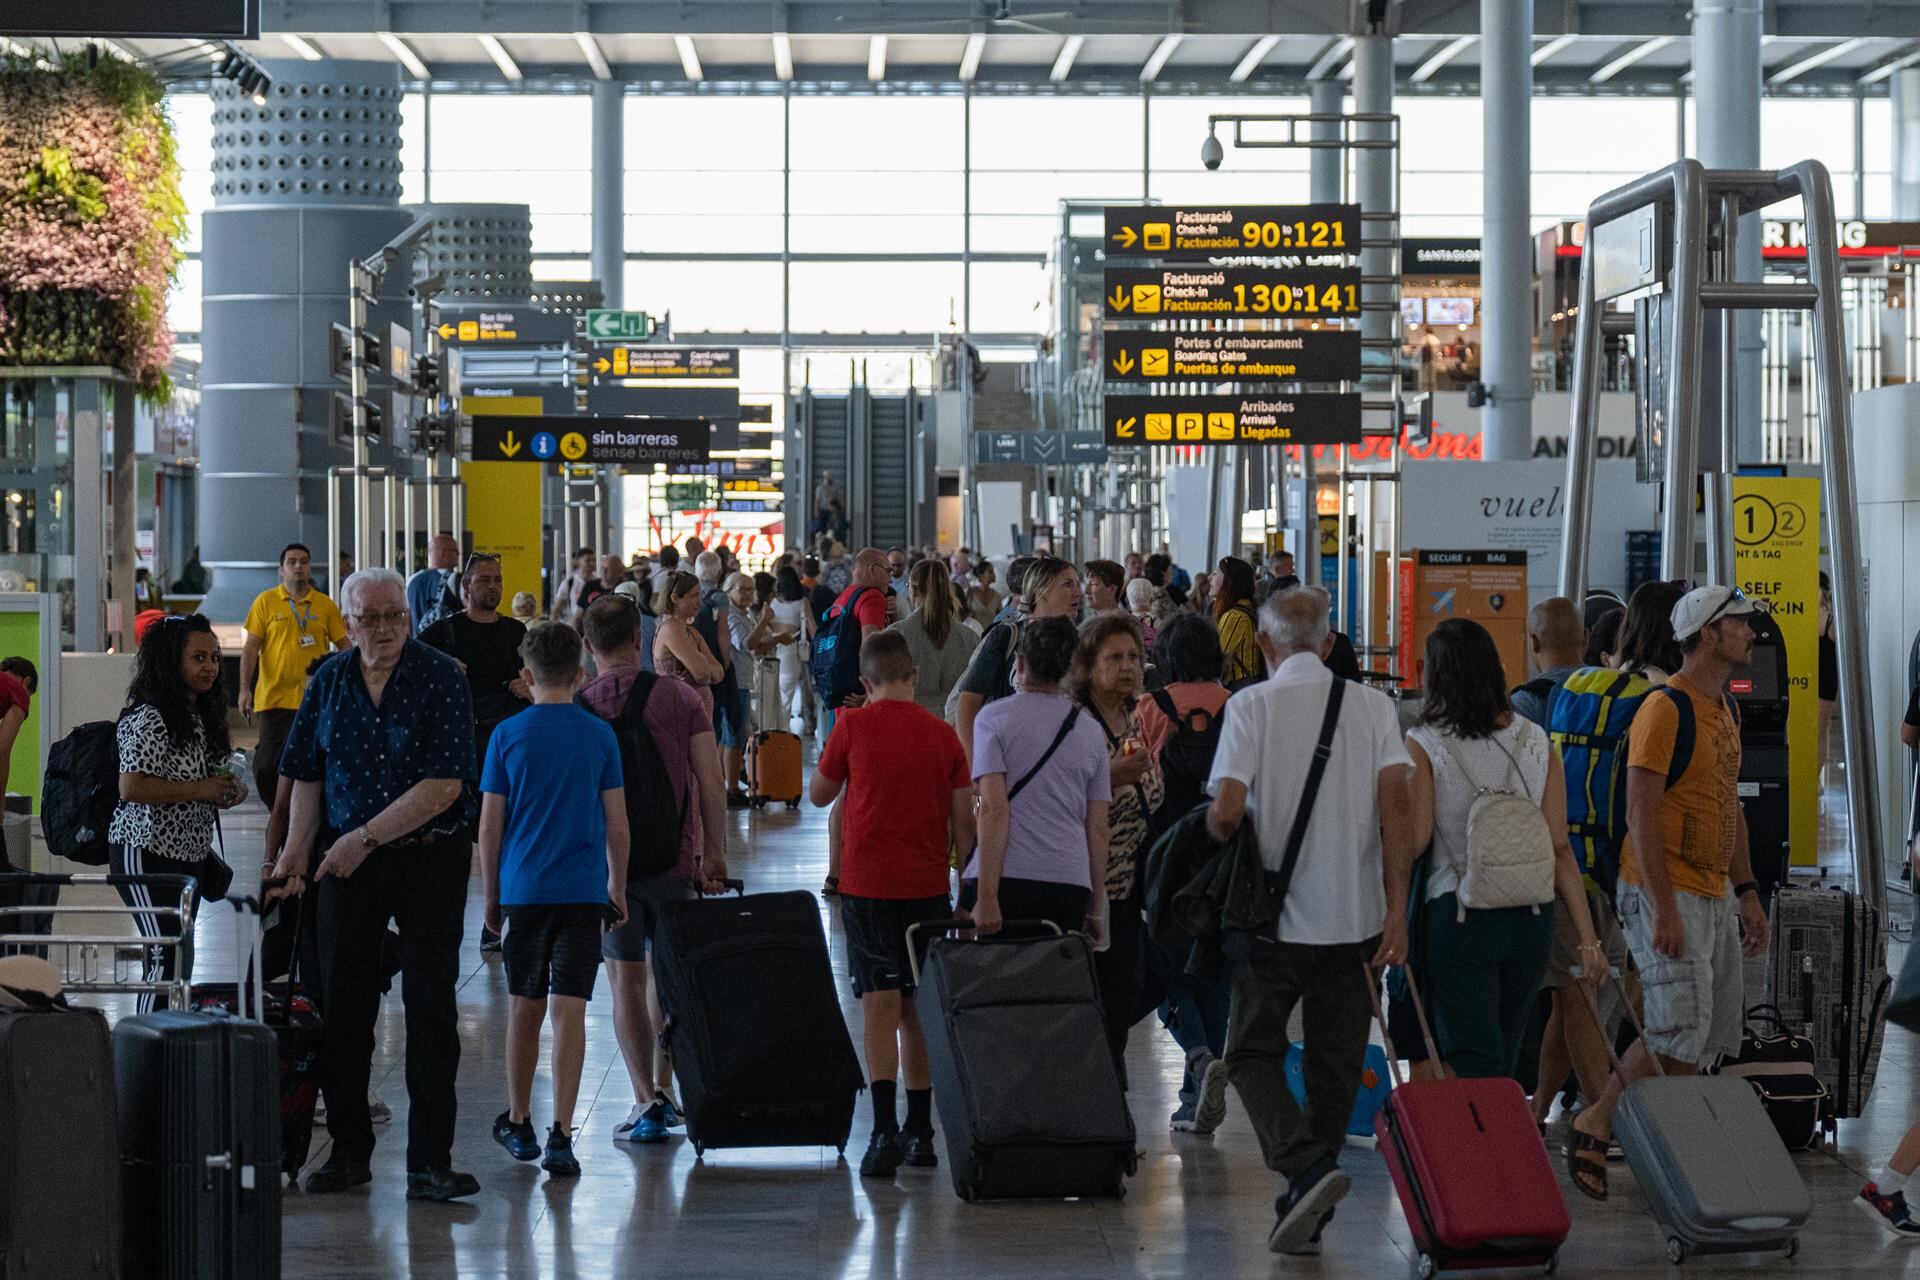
{"x":689,"y":58}
{"x":1330,"y":57}
{"x":1552,"y":47}
{"x":1818,"y":58}
{"x":590,"y":50}
{"x":404,"y":52}
{"x":1886,"y":69}
{"x":501,"y":58}
{"x":1639,"y":52}
{"x":876,"y":58}
{"x":782,"y":55}
{"x":1157,"y":60}
{"x":1254,"y":57}
{"x":302,"y":46}
{"x":970,"y":60}
{"x":1441,"y":57}
{"x":1063,"y":64}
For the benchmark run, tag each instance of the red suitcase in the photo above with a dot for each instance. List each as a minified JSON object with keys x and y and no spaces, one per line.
{"x":1471,"y":1171}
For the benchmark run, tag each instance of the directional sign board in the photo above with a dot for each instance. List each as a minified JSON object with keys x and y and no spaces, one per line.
{"x":475,"y":324}
{"x":613,"y":400}
{"x":706,"y":363}
{"x":636,"y":441}
{"x":1163,"y":231}
{"x":1306,"y":355}
{"x":619,"y":326}
{"x":1230,"y":292}
{"x":1052,"y":447}
{"x":1324,"y":418}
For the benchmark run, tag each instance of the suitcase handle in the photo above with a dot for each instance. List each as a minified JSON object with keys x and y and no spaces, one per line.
{"x":1633,"y":1016}
{"x":1040,"y":928}
{"x":734,"y":886}
{"x":1419,"y":1011}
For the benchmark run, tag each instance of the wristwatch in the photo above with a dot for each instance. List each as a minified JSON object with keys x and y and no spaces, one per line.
{"x":1746,"y":886}
{"x":367,"y":842}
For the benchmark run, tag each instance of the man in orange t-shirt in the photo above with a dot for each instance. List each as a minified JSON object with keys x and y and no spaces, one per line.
{"x":1687,"y":892}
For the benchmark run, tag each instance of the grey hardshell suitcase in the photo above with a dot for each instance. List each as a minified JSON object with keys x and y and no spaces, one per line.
{"x":1713,"y":1165}
{"x":1030,"y":1101}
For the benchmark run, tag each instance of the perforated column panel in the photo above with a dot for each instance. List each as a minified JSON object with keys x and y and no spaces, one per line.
{"x":485,"y":251}
{"x":889,"y":483}
{"x":301,"y":185}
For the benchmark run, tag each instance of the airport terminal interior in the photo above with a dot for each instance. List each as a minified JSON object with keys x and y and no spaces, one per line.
{"x":1379,"y":323}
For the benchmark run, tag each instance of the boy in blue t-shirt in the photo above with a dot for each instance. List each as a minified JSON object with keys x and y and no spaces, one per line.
{"x":553,"y":859}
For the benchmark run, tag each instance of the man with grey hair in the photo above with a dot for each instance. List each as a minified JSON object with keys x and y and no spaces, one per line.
{"x":1333,"y":822}
{"x":381,"y":756}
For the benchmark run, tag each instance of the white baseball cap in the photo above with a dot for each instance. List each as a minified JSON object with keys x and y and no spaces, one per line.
{"x":1708,"y":604}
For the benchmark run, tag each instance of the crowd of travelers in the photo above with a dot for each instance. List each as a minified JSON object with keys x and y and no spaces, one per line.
{"x":1029,"y":742}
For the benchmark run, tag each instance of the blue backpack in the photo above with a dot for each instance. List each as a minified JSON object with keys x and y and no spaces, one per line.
{"x":1588,"y":718}
{"x":836,"y":655}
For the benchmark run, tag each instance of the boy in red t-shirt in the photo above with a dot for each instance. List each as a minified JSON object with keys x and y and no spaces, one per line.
{"x":908,"y":791}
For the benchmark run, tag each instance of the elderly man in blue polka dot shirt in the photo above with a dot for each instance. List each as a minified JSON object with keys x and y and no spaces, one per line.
{"x":382,"y":757}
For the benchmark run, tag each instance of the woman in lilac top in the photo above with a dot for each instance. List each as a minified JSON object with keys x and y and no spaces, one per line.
{"x":1040,"y":764}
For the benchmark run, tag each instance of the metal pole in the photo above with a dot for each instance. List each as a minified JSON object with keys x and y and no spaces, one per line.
{"x":1583,"y":437}
{"x":1373,"y":95}
{"x":1727,"y":71}
{"x":1904,"y":89}
{"x":1719,"y":495}
{"x":360,"y":286}
{"x":1329,"y":187}
{"x":1216,"y":459}
{"x":1849,"y":574}
{"x":333,"y":530}
{"x":1506,"y":264}
{"x":609,"y":190}
{"x":1683,"y":369}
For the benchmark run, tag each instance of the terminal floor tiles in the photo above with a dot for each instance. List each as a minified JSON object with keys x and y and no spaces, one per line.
{"x":1198,"y":1206}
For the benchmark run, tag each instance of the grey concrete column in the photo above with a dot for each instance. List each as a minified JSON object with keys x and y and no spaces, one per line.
{"x":1904,"y":88}
{"x":1506,"y":243}
{"x":1327,"y":98}
{"x":610,"y":190}
{"x":1726,"y":87}
{"x":301,"y":185}
{"x":485,"y":251}
{"x":1373,"y":95}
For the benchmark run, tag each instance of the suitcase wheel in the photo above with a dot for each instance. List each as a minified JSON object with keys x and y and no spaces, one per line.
{"x":1676,"y":1250}
{"x":1427,"y":1267}
{"x":970,"y":1193}
{"x":793,"y":805}
{"x":1793,"y":1248}
{"x":759,"y":802}
{"x":1118,"y":1191}
{"x":1553,"y":1262}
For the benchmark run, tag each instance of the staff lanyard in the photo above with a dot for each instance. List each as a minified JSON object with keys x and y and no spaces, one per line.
{"x":297,"y":619}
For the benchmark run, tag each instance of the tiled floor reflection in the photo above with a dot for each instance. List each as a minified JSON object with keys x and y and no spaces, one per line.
{"x":1198,"y":1207}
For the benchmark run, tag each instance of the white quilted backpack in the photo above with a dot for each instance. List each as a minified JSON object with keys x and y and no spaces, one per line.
{"x":1510,"y":858}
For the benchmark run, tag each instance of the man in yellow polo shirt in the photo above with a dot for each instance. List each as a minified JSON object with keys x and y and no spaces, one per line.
{"x":287,"y":626}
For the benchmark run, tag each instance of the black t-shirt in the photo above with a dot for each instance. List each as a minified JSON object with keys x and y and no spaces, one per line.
{"x":821,"y":599}
{"x":1829,"y":686}
{"x":592,"y":589}
{"x":1913,"y":707}
{"x":1341,"y":659}
{"x":491,"y":651}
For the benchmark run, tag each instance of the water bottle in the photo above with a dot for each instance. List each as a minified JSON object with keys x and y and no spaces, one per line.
{"x":239,"y":767}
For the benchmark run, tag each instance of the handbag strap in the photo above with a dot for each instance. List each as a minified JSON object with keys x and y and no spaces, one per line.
{"x":1297,"y":836}
{"x":1066,"y":727}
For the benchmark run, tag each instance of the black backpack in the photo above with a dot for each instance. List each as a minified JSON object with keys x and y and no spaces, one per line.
{"x":1186,"y":760}
{"x":81,"y":787}
{"x":655,"y":818}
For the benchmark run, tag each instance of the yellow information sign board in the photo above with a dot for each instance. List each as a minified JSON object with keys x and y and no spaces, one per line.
{"x":1776,"y":556}
{"x":503,"y":502}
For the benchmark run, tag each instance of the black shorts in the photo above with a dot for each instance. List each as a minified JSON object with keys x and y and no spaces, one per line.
{"x":645,"y":897}
{"x":877,"y":938}
{"x":552,"y":945}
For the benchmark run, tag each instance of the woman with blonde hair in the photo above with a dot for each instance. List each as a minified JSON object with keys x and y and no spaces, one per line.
{"x":936,"y":635}
{"x":1051,"y":589}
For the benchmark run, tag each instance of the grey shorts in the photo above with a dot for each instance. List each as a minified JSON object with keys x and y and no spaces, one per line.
{"x":644,"y":899}
{"x":1695,"y":1006}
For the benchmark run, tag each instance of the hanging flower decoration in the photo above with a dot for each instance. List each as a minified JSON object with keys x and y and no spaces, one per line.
{"x":91,"y":217}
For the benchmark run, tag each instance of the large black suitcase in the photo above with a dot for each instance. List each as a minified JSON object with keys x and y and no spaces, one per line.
{"x":59,"y":1149}
{"x":1029,"y":1097}
{"x":200,"y":1141}
{"x":758,"y":1041}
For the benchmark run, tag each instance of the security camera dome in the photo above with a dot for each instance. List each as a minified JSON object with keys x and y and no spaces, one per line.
{"x":1211,"y":152}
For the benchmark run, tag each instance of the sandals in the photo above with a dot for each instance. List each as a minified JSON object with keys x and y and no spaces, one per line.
{"x":1589,"y":1175}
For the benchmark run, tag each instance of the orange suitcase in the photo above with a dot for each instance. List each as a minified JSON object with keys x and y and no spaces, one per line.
{"x":773,"y":769}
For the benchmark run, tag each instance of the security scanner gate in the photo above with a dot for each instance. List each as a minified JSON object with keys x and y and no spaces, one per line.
{"x":1671,"y":238}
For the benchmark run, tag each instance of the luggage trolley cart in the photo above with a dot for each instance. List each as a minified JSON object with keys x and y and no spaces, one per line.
{"x":101,"y":961}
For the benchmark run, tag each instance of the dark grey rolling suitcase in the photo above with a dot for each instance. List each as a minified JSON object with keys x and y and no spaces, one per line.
{"x":59,"y":1150}
{"x":199,"y":1100}
{"x":1029,"y":1098}
{"x":1829,"y":981}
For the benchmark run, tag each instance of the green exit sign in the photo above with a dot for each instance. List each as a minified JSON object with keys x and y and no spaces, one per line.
{"x":613,"y":326}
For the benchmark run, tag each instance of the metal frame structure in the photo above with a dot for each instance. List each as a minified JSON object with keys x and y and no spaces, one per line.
{"x":1703,"y":208}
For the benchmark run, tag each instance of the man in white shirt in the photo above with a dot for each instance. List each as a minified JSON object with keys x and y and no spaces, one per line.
{"x":1344,"y":909}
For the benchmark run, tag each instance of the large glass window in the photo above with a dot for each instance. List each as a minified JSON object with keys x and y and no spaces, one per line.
{"x":876,"y":297}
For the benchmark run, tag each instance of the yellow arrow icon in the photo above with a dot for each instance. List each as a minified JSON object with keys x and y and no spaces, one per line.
{"x":1119,"y":300}
{"x":509,"y":446}
{"x":1123,"y":364}
{"x":446,"y":331}
{"x":1123,"y":428}
{"x":1126,"y":236}
{"x":602,"y":365}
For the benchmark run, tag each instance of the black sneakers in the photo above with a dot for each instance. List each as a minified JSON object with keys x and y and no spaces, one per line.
{"x":919,"y":1152}
{"x":440,"y":1184}
{"x":560,"y":1161}
{"x":1299,"y":1214}
{"x":518,"y":1138}
{"x":338,"y":1174}
{"x":884,"y":1155}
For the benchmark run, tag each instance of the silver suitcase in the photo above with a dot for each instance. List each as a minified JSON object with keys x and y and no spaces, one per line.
{"x":1711,"y":1162}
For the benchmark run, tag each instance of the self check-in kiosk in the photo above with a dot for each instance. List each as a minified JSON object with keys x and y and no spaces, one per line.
{"x":1760,"y":690}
